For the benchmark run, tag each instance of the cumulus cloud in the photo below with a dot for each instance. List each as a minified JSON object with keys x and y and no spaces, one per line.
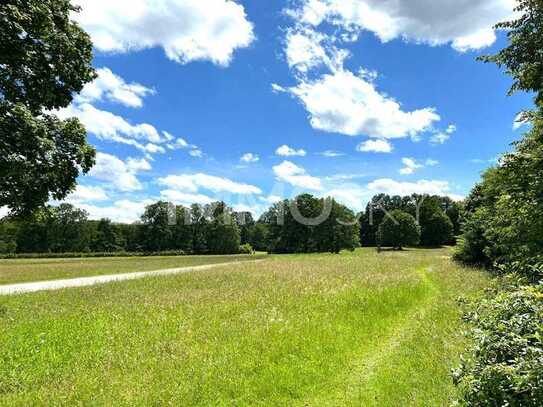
{"x":353,"y":196}
{"x":193,"y":182}
{"x":296,"y":176}
{"x":307,"y":49}
{"x":249,"y":158}
{"x":84,"y":193}
{"x":410,"y":166}
{"x":119,"y":174}
{"x":286,"y":151}
{"x":345,"y":103}
{"x":392,"y":187}
{"x":184,"y":198}
{"x":113,"y":88}
{"x":431,"y":163}
{"x":465,"y":24}
{"x":375,"y":146}
{"x":122,"y":211}
{"x":187,"y":30}
{"x":108,"y":126}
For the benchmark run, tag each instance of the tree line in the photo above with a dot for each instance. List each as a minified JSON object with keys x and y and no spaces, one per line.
{"x":305,"y":224}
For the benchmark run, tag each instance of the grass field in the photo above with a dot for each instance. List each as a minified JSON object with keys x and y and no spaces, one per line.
{"x":25,"y":270}
{"x":358,"y":329}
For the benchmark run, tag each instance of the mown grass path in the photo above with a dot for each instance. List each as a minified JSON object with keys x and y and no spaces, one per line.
{"x":23,"y":288}
{"x":359,"y":329}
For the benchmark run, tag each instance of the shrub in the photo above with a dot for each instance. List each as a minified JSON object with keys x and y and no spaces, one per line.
{"x":437,"y":229}
{"x":398,"y":229}
{"x":505,"y":365}
{"x":246,"y":249}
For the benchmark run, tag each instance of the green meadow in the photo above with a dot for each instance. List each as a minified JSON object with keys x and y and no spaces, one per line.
{"x":355,"y":329}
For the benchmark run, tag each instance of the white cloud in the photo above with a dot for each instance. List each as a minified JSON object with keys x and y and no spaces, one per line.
{"x":465,"y":24}
{"x":332,"y":154}
{"x":348,"y":104}
{"x":519,"y":122}
{"x":271,"y":199}
{"x":375,"y":146}
{"x":431,"y":163}
{"x":119,"y":174}
{"x":439,"y":138}
{"x":392,"y":187}
{"x":123,"y":211}
{"x":183,"y":198}
{"x":113,"y":88}
{"x":296,"y":176}
{"x":84,"y":193}
{"x":249,"y":158}
{"x":286,"y":151}
{"x":108,"y":126}
{"x":187,"y":30}
{"x":135,"y":165}
{"x":451,"y":129}
{"x":410,"y":166}
{"x":4,"y":211}
{"x":307,"y":49}
{"x":345,"y":177}
{"x":193,"y":182}
{"x":196,"y":153}
{"x":353,"y":196}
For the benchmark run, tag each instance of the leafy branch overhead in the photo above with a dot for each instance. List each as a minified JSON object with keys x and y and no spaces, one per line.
{"x":44,"y":59}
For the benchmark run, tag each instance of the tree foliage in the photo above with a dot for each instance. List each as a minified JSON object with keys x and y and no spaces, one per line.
{"x":438,"y":216}
{"x":398,"y":229}
{"x":505,"y":363}
{"x":308,"y":224}
{"x":522,"y":59}
{"x":44,"y":59}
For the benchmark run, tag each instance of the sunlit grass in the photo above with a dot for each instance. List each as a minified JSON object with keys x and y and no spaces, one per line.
{"x":306,"y":330}
{"x":25,"y":270}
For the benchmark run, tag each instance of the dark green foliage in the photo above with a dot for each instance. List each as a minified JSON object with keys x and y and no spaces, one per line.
{"x":107,"y":237}
{"x":505,"y":364}
{"x":222,"y":231}
{"x":44,"y":59}
{"x":398,"y":229}
{"x":259,"y":237}
{"x":44,"y":55}
{"x":245,"y":223}
{"x":68,"y":229}
{"x":504,"y":218}
{"x":522,"y":59}
{"x":308,"y":225}
{"x":436,"y":227}
{"x":438,"y":216}
{"x":503,"y":228}
{"x":157,"y":231}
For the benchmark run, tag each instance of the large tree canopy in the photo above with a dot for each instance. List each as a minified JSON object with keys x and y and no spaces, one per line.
{"x":44,"y":59}
{"x":523,"y":59}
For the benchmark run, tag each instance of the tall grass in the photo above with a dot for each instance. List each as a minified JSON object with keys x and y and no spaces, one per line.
{"x":354,"y":329}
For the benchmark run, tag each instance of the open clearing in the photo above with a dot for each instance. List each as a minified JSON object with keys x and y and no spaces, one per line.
{"x":306,"y":330}
{"x":29,"y":270}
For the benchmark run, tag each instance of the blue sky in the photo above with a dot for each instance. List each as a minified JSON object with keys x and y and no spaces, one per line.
{"x":254,"y":101}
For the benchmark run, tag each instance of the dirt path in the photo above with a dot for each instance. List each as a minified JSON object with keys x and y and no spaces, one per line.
{"x":88,"y":281}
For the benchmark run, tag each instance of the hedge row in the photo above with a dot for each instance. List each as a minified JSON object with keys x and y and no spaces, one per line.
{"x":89,"y":254}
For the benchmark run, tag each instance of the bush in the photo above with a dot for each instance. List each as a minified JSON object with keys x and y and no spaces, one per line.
{"x":246,"y":249}
{"x":505,"y":365}
{"x":398,"y":229}
{"x":437,"y":229}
